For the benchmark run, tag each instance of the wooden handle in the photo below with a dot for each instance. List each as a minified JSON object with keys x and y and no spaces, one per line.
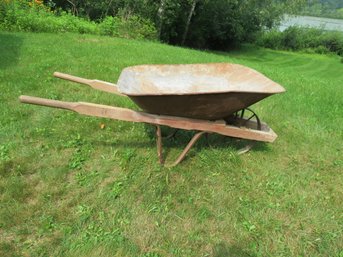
{"x":117,"y":113}
{"x":96,"y":84}
{"x":46,"y":102}
{"x":71,"y":78}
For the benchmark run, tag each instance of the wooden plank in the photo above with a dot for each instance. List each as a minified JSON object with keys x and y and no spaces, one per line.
{"x":117,"y":113}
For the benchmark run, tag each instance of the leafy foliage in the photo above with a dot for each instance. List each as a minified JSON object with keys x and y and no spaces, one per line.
{"x":220,"y":24}
{"x":21,"y":15}
{"x":29,"y":16}
{"x":215,"y":24}
{"x":130,"y":27}
{"x":297,"y":38}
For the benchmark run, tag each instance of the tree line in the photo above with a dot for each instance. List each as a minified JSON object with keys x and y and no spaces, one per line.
{"x":212,"y":24}
{"x":324,"y":8}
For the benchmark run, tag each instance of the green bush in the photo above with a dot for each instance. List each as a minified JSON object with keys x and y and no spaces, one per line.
{"x":137,"y":27}
{"x":22,"y":15}
{"x":129,"y":27}
{"x":298,"y":38}
{"x":272,"y":39}
{"x":109,"y":26}
{"x":321,"y":50}
{"x":334,"y":42}
{"x":292,"y":39}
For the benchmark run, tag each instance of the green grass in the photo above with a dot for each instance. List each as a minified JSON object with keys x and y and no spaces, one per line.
{"x":70,"y":188}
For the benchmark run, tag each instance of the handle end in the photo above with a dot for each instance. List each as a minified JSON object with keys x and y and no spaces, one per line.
{"x":24,"y":99}
{"x":71,"y":78}
{"x":57,"y":74}
{"x":47,"y":102}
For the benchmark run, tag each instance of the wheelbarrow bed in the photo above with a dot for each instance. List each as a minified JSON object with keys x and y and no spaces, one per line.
{"x":200,"y":91}
{"x":202,"y":106}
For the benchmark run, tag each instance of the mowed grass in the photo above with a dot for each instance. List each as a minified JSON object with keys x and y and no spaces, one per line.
{"x":70,"y":188}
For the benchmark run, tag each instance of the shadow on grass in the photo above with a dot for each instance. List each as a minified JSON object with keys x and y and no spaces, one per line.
{"x":10,"y":45}
{"x":182,"y":137}
{"x":180,"y":140}
{"x":223,"y":250}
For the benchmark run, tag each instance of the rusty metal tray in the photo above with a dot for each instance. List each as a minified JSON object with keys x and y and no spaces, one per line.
{"x":202,"y":91}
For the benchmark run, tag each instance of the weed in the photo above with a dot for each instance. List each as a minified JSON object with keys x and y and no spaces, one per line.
{"x":84,"y":212}
{"x":249,"y":226}
{"x":4,"y":153}
{"x":84,"y":178}
{"x":117,"y":189}
{"x":74,"y":141}
{"x":47,"y":224}
{"x":81,"y":151}
{"x":77,"y":159}
{"x":126,"y":157}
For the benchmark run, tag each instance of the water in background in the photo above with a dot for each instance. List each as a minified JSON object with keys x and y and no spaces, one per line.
{"x":313,"y":22}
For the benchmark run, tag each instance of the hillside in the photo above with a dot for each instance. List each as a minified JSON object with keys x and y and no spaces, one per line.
{"x":72,"y":185}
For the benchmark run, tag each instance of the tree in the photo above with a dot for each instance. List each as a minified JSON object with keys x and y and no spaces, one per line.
{"x":215,"y":24}
{"x":191,"y":12}
{"x":221,"y":24}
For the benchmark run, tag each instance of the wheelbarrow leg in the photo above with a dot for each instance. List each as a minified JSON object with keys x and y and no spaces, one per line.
{"x":159,"y":144}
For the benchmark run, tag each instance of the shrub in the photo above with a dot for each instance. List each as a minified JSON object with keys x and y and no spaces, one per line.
{"x":30,"y":16}
{"x":128,"y":27}
{"x":321,"y":50}
{"x":137,"y":27}
{"x":298,"y":38}
{"x":21,"y":15}
{"x":272,"y":39}
{"x":109,"y":26}
{"x":292,"y":39}
{"x":334,"y":42}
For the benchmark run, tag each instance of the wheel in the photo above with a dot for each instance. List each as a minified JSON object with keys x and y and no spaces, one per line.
{"x":245,"y":118}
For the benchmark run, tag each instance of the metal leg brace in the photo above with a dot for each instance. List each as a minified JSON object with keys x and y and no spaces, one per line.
{"x":195,"y":138}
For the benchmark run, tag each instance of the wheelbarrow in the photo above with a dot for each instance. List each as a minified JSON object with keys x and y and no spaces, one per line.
{"x":207,"y":98}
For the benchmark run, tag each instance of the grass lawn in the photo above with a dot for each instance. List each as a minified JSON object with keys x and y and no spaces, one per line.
{"x":70,"y":188}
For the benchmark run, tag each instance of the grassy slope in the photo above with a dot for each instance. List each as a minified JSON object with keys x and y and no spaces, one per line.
{"x":68,"y":187}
